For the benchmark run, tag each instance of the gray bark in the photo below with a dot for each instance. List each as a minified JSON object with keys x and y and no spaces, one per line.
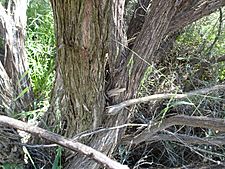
{"x":14,"y":78}
{"x":13,"y":58}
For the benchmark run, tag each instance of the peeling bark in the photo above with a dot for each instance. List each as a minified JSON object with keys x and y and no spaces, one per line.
{"x":14,"y":78}
{"x":14,"y":60}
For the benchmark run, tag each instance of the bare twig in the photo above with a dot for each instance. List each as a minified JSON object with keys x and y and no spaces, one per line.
{"x":116,"y":108}
{"x":74,"y":146}
{"x":38,"y":145}
{"x":89,"y":133}
{"x":193,"y":121}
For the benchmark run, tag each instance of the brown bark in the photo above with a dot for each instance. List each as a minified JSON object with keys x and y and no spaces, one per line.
{"x":83,"y":30}
{"x":81,"y":42}
{"x":148,"y":41}
{"x":190,"y":11}
{"x":88,"y":53}
{"x":187,"y":13}
{"x":5,"y":92}
{"x":78,"y":97}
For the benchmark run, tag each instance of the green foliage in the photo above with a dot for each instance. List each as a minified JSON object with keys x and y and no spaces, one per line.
{"x":204,"y":40}
{"x":11,"y":166}
{"x":2,"y":1}
{"x":57,"y":161}
{"x":40,"y":44}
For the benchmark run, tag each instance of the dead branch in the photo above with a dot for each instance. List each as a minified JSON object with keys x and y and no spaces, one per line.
{"x":116,"y":108}
{"x":182,"y":138}
{"x":69,"y":144}
{"x":193,"y":121}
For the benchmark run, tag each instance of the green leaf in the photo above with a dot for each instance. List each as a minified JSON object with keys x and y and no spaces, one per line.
{"x":22,"y":93}
{"x":57,"y":161}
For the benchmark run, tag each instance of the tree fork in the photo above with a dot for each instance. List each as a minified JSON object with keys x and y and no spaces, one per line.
{"x":79,"y":44}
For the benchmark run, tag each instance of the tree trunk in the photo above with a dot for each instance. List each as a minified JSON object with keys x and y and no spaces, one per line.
{"x":78,"y":100}
{"x":81,"y":41}
{"x":92,"y":61}
{"x":15,"y":90}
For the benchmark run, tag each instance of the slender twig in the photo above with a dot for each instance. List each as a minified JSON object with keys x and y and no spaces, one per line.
{"x":216,"y":124}
{"x":38,"y":145}
{"x":69,"y":144}
{"x":114,"y":109}
{"x":88,"y":133}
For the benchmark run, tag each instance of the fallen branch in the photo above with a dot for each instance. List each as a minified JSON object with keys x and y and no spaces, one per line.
{"x":116,"y":108}
{"x":182,"y":138}
{"x":69,"y":144}
{"x":193,"y":121}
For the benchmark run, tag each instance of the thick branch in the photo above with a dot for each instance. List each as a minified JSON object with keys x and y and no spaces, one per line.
{"x":74,"y":146}
{"x":191,"y":11}
{"x":116,"y":108}
{"x":193,"y":121}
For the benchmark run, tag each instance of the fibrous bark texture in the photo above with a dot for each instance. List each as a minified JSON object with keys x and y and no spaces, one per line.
{"x":81,"y":57}
{"x":93,"y":60}
{"x":78,"y":100}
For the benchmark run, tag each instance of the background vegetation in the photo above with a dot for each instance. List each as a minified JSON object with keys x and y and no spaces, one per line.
{"x":40,"y":46}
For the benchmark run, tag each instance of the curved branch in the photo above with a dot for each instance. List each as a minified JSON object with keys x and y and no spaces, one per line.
{"x":74,"y":146}
{"x":116,"y":108}
{"x":191,"y":11}
{"x":193,"y":121}
{"x":182,"y":138}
